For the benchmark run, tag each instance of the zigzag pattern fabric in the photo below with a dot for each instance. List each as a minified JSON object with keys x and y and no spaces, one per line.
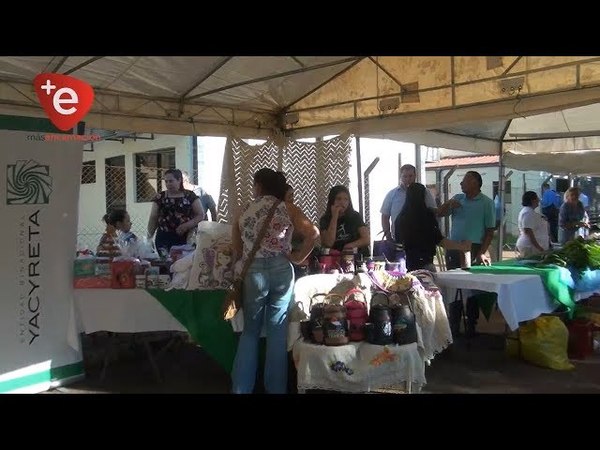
{"x":311,"y":168}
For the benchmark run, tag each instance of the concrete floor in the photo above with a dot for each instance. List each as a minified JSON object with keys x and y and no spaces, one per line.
{"x":479,"y":368}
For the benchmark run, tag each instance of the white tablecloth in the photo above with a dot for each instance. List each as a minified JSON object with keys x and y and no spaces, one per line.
{"x":122,"y":311}
{"x":358,"y":367}
{"x":520,"y":297}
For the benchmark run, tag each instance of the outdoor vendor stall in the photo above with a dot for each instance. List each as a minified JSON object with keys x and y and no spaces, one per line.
{"x":40,"y":182}
{"x":145,"y":310}
{"x":150,"y":294}
{"x":363,"y":366}
{"x":529,"y":288}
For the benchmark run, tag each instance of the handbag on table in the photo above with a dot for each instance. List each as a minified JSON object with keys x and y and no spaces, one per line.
{"x":384,"y":248}
{"x":232,"y":302}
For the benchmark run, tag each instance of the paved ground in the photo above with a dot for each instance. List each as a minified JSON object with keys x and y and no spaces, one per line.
{"x":482,"y":368}
{"x":485,"y":368}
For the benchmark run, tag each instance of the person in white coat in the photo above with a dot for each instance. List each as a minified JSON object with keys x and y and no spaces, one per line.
{"x":534,"y":233}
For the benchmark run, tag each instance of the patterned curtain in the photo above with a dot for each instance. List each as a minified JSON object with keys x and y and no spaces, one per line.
{"x":311,"y":168}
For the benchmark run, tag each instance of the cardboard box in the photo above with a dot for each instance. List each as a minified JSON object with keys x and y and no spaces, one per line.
{"x":102,"y":268}
{"x":164,"y":281}
{"x":123,"y":276}
{"x":84,"y":267}
{"x":103,"y":282}
{"x":140,"y":281}
{"x":152,"y":280}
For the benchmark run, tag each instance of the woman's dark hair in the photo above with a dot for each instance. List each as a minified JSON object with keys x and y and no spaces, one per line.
{"x":117,"y":215}
{"x":288,"y":187}
{"x":528,"y":198}
{"x":177,"y":175}
{"x":271,"y":182}
{"x":333,"y":193}
{"x":414,"y":214}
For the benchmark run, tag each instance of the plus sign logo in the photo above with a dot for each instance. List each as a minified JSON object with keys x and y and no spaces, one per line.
{"x":65,"y":99}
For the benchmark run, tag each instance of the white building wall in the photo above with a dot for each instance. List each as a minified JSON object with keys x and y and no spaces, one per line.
{"x":430,"y":177}
{"x":211,"y":151}
{"x":92,"y":197}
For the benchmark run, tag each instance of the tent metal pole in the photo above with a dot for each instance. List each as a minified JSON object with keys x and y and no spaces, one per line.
{"x":501,"y":183}
{"x":500,"y":220}
{"x":419,"y":164}
{"x":399,"y":165}
{"x":446,"y":183}
{"x":359,"y":174}
{"x":368,"y":192}
{"x":195,"y":176}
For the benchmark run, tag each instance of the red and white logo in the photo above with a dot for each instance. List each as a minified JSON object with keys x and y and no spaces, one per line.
{"x":65,"y":99}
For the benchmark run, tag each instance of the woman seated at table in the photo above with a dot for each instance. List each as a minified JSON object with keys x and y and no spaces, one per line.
{"x":175,"y":213}
{"x":572,"y":217}
{"x":341,"y":227}
{"x":534,"y":234}
{"x":417,"y":229}
{"x":118,"y":233}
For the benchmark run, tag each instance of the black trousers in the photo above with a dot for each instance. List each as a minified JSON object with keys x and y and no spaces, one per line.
{"x":551,"y":213}
{"x":416,"y":260}
{"x":453,"y":261}
{"x":167,"y":239}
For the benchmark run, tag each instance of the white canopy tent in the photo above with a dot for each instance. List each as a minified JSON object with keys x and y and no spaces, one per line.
{"x":489,"y":105}
{"x":457,"y":102}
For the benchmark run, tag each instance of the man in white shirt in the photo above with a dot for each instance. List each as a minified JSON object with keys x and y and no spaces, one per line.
{"x":395,"y":199}
{"x":208,"y":204}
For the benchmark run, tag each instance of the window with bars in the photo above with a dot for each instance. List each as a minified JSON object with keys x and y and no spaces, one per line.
{"x":149,"y":169}
{"x":88,"y":172}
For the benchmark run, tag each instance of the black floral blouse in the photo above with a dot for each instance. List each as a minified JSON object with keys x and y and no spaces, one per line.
{"x":173,"y":211}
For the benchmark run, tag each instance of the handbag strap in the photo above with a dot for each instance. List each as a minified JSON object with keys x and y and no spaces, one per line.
{"x":313,"y":297}
{"x":332,"y":298}
{"x":354,"y":291}
{"x":259,"y":238}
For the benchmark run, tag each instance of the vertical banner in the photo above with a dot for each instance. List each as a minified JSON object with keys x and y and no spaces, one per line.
{"x":39,"y":191}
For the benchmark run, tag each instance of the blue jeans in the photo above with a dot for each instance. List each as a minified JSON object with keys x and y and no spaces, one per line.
{"x":267,"y":293}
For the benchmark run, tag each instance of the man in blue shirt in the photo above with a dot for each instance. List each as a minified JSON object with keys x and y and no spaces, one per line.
{"x":473,"y":219}
{"x":585,"y":200}
{"x":550,"y":205}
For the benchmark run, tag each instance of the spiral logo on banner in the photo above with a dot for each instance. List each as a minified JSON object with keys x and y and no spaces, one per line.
{"x":28,"y":183}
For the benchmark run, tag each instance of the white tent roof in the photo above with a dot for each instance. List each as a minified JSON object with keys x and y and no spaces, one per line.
{"x":523,"y":105}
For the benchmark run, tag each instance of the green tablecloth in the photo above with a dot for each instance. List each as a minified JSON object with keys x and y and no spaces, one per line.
{"x":550,"y":276}
{"x":200,"y":313}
